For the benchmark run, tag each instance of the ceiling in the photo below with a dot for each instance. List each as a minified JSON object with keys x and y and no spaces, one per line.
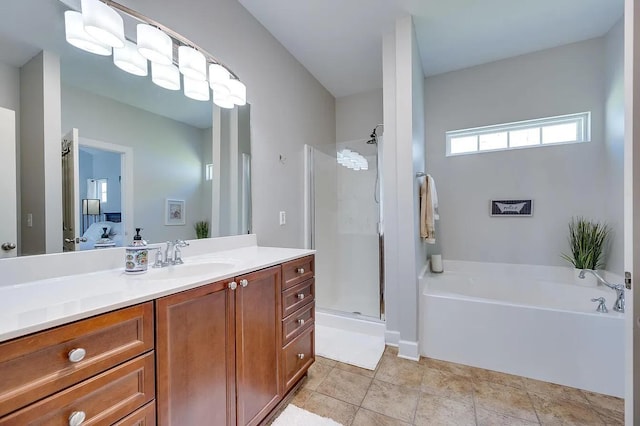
{"x":340,"y":41}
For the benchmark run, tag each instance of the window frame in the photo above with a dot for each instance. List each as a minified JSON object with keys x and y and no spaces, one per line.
{"x":582,"y":120}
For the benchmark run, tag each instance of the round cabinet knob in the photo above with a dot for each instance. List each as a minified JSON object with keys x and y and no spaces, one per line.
{"x":8,"y":246}
{"x":76,"y":418}
{"x":300,"y":270}
{"x":233,"y":285}
{"x":300,"y":356}
{"x":77,"y":355}
{"x":301,"y":321}
{"x":300,"y":296}
{"x":244,"y":283}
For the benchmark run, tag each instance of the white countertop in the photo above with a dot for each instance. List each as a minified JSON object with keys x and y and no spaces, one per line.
{"x":32,"y":306}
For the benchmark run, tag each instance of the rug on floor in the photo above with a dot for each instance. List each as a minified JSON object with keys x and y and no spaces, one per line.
{"x":359,"y":349}
{"x":295,"y":416}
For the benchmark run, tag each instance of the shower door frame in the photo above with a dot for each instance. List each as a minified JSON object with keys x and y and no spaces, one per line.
{"x":310,"y":219}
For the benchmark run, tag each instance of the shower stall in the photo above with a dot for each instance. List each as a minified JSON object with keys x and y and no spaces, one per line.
{"x":343,"y":223}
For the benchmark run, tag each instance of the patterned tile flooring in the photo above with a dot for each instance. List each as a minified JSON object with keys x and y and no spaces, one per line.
{"x":432,"y":392}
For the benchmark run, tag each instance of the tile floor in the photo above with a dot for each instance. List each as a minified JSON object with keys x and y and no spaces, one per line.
{"x":432,"y":392}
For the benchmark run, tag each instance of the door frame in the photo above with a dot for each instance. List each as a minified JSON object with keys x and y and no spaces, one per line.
{"x":126,"y":182}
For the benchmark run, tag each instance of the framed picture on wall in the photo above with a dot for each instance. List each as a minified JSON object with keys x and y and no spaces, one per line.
{"x":174,"y":212}
{"x":511,"y":208}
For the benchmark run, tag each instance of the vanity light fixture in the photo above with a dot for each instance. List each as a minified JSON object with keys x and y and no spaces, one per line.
{"x":130,"y":60}
{"x":99,"y":27}
{"x":166,"y":76}
{"x":103,"y":23}
{"x":352,"y":160}
{"x":192,"y":63}
{"x":154,"y":45}
{"x":78,"y":37}
{"x":238,"y":92}
{"x":196,"y":89}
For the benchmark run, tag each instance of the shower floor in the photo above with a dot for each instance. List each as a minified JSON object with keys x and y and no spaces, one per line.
{"x":351,"y":341}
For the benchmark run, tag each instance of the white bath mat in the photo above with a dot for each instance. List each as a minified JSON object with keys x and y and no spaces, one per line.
{"x":359,"y":349}
{"x":294,"y":416}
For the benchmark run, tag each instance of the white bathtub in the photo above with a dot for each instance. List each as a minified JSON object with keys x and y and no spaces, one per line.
{"x":526,"y":320}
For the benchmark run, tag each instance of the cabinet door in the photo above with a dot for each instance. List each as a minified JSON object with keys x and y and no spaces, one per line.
{"x":258,"y":344}
{"x":195,"y":357}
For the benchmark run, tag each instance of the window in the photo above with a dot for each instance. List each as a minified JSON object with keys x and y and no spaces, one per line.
{"x":571,"y":128}
{"x":97,"y":188}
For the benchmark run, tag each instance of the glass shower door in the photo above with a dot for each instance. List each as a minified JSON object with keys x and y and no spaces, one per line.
{"x":345,"y":209}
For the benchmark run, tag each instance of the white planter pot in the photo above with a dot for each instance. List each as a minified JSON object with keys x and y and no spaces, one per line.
{"x":589,"y":280}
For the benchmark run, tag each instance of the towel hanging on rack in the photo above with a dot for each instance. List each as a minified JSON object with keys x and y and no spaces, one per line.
{"x":428,"y":209}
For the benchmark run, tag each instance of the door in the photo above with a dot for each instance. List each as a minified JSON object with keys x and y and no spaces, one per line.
{"x":258,"y":344}
{"x":70,"y":195}
{"x":8,"y":216}
{"x":195,"y":357}
{"x":632,"y":207}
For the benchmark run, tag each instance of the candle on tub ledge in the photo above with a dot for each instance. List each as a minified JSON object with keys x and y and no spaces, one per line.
{"x":436,"y":263}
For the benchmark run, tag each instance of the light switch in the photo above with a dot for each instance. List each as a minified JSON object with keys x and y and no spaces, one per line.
{"x":283,"y":218}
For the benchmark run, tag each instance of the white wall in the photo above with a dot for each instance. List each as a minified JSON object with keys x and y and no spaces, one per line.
{"x":167,"y":157}
{"x":564,"y":181}
{"x":289,"y":107}
{"x":40,"y":145}
{"x":403,"y":145}
{"x":614,"y":140}
{"x":357,"y":115}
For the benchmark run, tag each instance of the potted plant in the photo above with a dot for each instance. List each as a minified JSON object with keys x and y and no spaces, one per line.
{"x":202,"y":229}
{"x":587,"y":241}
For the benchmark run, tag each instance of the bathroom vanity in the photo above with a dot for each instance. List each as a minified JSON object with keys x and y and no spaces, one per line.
{"x":222,"y":343}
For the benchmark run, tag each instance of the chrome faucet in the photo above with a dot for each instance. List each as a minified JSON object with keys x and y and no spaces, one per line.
{"x":618,"y":306}
{"x":172,"y":254}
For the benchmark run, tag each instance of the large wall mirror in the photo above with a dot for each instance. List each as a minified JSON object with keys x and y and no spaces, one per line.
{"x":101,"y":148}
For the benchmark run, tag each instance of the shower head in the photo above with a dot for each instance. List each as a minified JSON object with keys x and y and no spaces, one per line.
{"x":374,"y":136}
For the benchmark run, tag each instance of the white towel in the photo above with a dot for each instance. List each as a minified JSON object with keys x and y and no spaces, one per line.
{"x":434,"y":197}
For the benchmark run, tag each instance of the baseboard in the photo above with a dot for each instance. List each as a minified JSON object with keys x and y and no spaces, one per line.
{"x":392,"y":338}
{"x":408,"y":350}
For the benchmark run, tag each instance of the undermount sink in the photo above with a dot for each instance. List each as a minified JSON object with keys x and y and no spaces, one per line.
{"x":186,"y":270}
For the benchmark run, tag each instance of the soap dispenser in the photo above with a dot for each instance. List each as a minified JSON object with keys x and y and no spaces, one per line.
{"x":137,"y":255}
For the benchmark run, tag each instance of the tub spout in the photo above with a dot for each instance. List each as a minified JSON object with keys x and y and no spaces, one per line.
{"x":618,"y":306}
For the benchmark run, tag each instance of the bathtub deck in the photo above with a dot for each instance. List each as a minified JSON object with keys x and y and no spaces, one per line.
{"x":402,"y":392}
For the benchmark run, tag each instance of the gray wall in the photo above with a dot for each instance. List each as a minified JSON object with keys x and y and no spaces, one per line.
{"x":564,"y":181}
{"x":356,"y":115}
{"x":167,"y":157}
{"x":289,"y":107}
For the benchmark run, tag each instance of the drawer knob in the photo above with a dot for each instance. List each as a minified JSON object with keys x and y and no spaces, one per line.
{"x":300,"y":356}
{"x":300,"y":270}
{"x":77,"y":355}
{"x":300,"y":296}
{"x":301,"y":321}
{"x":76,"y":418}
{"x":244,"y":283}
{"x":233,"y":285}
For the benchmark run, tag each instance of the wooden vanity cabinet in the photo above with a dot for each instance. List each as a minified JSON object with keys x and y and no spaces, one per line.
{"x":218,"y":349}
{"x":195,"y":337}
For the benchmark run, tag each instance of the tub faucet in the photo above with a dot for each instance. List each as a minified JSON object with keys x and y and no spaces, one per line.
{"x":618,"y":306}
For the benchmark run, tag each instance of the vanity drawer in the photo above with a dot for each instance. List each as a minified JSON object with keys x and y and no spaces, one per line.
{"x":298,"y":357}
{"x":145,"y":416}
{"x":297,"y":296}
{"x":297,"y":271}
{"x":103,"y":399}
{"x":296,"y":322}
{"x":38,"y":365}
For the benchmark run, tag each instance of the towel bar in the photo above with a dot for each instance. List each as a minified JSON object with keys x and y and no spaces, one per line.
{"x":420,"y":174}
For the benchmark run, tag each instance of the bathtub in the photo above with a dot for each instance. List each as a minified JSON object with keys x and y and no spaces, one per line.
{"x":532,"y":321}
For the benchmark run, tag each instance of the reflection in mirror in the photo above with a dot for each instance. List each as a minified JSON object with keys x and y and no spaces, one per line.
{"x":138,"y":143}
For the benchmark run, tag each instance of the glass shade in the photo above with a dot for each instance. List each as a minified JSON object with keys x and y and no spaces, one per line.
{"x":218,"y":74}
{"x":196,"y":89}
{"x":103,"y":23}
{"x":166,"y":76}
{"x":237,"y":92}
{"x":192,"y":63}
{"x":78,"y":37}
{"x":154,"y":45}
{"x":130,"y":60}
{"x":222,"y":101}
